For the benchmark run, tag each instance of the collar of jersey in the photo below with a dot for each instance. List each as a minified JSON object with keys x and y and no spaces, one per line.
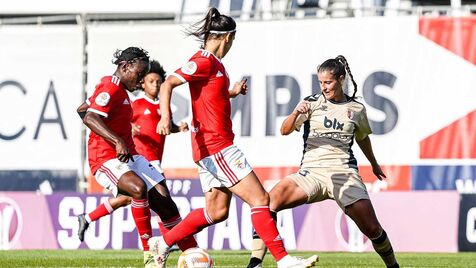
{"x":211,"y":54}
{"x":151,"y":100}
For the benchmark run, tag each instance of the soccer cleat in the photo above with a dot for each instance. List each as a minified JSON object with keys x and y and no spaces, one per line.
{"x":160,"y":249}
{"x":255,"y":263}
{"x":149,"y":260}
{"x":83,"y":226}
{"x":295,"y":262}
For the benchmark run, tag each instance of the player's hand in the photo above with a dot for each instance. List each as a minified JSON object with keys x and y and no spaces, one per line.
{"x":239,"y":88}
{"x":122,"y":153}
{"x":164,"y":127}
{"x":135,"y":129}
{"x":378,"y":172}
{"x":183,"y":127}
{"x":302,"y":108}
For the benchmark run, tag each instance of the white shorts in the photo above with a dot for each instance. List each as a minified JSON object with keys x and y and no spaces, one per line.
{"x":223,"y":169}
{"x":156,"y":164}
{"x":109,"y":174}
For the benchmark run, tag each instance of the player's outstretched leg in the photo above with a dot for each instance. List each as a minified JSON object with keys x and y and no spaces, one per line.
{"x":363,"y":214}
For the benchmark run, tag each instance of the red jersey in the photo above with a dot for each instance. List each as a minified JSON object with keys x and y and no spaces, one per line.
{"x":110,"y":100}
{"x":146,"y":116}
{"x":211,"y":108}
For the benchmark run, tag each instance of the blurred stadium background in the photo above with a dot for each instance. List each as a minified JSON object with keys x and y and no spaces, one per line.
{"x":414,"y":62}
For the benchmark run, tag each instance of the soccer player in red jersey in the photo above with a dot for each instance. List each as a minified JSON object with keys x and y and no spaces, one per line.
{"x":146,"y":116}
{"x":112,"y":156}
{"x":223,"y":168}
{"x":148,"y":144}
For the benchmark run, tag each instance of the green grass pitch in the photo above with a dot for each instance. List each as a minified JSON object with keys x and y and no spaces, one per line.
{"x":228,"y":258}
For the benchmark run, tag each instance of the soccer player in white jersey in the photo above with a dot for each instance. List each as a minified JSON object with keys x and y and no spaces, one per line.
{"x":332,"y":120}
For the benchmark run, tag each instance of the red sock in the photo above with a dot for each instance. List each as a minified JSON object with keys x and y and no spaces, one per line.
{"x":192,"y":224}
{"x":184,"y":244}
{"x":266,"y":229}
{"x":141,"y":213}
{"x":101,"y":211}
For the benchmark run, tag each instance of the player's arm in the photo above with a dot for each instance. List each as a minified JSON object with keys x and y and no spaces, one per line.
{"x":96,"y":124}
{"x":366,"y":147}
{"x":239,"y":88}
{"x":164,"y":126}
{"x":82,"y":109}
{"x":289,"y":124}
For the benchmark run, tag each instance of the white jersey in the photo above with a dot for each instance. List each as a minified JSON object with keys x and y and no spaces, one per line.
{"x":329,"y":132}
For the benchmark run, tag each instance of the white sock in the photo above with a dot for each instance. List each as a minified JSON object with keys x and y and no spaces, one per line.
{"x":88,"y":219}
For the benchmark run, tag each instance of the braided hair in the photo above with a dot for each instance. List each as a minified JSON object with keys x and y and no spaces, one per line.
{"x":213,"y":25}
{"x":130,"y":55}
{"x":337,"y":67}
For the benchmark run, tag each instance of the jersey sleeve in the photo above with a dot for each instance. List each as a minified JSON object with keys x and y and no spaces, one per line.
{"x":304,"y":117}
{"x":300,"y":120}
{"x":195,"y":70}
{"x":363,"y":127}
{"x":101,"y":101}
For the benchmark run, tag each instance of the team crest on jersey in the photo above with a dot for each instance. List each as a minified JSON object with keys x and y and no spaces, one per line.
{"x":189,"y":68}
{"x":350,"y":114}
{"x":102,"y":99}
{"x":147,"y":111}
{"x":239,"y":164}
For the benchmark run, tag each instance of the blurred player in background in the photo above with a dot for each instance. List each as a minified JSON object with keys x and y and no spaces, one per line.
{"x":328,"y":168}
{"x":113,"y":158}
{"x":223,"y":168}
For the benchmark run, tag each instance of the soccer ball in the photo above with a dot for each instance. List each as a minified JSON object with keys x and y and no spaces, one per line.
{"x":195,"y":258}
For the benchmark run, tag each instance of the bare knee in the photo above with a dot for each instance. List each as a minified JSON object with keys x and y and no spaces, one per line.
{"x":260,"y":200}
{"x":373,"y":231}
{"x":138,"y":190}
{"x":218,"y":214}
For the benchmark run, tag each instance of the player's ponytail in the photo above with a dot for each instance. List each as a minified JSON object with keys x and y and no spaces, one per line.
{"x":213,"y":25}
{"x":343,"y":61}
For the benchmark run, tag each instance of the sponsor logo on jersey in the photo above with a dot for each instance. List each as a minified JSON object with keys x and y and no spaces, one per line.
{"x":334,"y":124}
{"x":102,"y":99}
{"x":332,"y":135}
{"x":147,"y":111}
{"x":189,"y":68}
{"x":219,"y":74}
{"x":125,"y":101}
{"x":11,"y":222}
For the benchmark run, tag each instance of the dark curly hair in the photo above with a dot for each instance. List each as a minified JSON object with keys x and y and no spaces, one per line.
{"x":157,"y":68}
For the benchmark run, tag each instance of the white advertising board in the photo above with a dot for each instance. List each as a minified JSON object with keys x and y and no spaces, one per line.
{"x":40,"y":89}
